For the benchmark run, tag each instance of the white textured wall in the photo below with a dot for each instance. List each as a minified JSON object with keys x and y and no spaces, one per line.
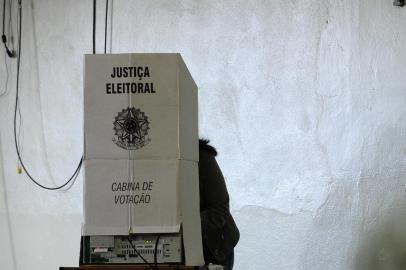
{"x":305,"y":101}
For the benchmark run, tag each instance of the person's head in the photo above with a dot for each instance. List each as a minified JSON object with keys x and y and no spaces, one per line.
{"x":205,"y":146}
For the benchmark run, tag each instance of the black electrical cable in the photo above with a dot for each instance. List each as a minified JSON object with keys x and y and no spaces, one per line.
{"x":139,"y":254}
{"x":16,"y":108}
{"x":9,"y":52}
{"x":105,"y":26}
{"x":156,"y":251}
{"x":94,"y":26}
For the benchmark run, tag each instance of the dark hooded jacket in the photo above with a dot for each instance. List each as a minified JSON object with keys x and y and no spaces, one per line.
{"x":219,"y":231}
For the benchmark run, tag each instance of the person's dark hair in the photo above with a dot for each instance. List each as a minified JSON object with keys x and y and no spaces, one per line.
{"x":204,"y":145}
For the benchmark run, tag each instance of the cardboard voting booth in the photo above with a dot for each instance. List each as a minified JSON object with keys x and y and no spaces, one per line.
{"x":141,"y":148}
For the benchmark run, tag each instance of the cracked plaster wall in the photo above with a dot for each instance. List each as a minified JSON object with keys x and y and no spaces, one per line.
{"x":305,"y":101}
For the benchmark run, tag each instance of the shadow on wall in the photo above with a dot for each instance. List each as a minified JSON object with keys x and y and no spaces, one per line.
{"x":10,"y":245}
{"x":384,"y":248}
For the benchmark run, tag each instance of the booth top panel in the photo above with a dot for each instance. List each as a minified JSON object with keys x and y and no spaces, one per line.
{"x":142,"y":78}
{"x":139,"y":106}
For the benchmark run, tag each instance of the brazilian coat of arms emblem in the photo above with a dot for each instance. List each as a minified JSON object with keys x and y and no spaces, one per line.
{"x":131,"y":127}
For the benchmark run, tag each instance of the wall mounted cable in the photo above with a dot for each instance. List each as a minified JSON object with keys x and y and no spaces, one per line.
{"x":105,"y":26}
{"x":17,"y":110}
{"x":94,"y":26}
{"x":9,"y":52}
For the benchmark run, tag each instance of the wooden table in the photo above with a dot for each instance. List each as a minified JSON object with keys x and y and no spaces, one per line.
{"x":126,"y":267}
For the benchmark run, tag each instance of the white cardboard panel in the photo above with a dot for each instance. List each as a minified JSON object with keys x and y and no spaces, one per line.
{"x":190,"y":209}
{"x":101,"y":107}
{"x":164,"y":209}
{"x":103,"y":140}
{"x":188,"y":122}
{"x":110,"y":208}
{"x":101,"y":215}
{"x":162,"y":69}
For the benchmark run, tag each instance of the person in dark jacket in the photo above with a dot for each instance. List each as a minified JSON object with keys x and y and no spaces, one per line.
{"x":219,"y":231}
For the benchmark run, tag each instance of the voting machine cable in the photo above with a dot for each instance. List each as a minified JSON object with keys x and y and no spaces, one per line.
{"x":17,"y":109}
{"x":139,"y":255}
{"x":156,"y":251}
